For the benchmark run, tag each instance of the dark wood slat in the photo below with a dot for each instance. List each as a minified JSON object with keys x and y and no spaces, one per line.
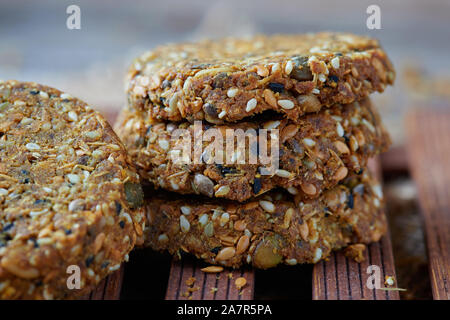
{"x":207,"y":283}
{"x":395,"y":160}
{"x":108,"y":289}
{"x":341,"y":278}
{"x":428,"y":144}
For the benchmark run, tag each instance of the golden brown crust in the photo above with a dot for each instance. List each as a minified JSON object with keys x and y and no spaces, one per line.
{"x":68,"y":194}
{"x":315,"y":153}
{"x":271,"y":229}
{"x":230,"y":79}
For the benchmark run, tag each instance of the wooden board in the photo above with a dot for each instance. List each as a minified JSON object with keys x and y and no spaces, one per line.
{"x":340,"y":278}
{"x":428,"y":144}
{"x":109,"y":288}
{"x":211,"y":286}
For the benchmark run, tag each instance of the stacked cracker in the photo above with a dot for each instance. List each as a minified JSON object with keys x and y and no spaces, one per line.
{"x":314,"y":90}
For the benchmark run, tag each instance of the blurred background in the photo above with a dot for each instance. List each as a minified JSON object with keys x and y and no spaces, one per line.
{"x":90,"y":63}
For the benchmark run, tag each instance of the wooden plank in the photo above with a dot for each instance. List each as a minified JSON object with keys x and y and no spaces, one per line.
{"x":108,"y":289}
{"x":395,"y":160}
{"x":341,"y":278}
{"x":428,"y":144}
{"x":207,"y":286}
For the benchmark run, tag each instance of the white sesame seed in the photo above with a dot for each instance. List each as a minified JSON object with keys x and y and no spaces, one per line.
{"x":339,"y":129}
{"x":72,"y":115}
{"x":3,"y":192}
{"x":378,"y":191}
{"x":292,"y":190}
{"x":114,"y":268}
{"x":76,"y":204}
{"x":315,"y":91}
{"x":231,"y":93}
{"x":173,"y":102}
{"x":164,"y":144}
{"x":251,"y":104}
{"x":19,"y":103}
{"x":47,"y":189}
{"x":203,"y":219}
{"x":222,"y":114}
{"x":65,"y":96}
{"x":186,"y":210}
{"x":275,"y":67}
{"x":283,"y":173}
{"x":43,"y":94}
{"x":286,"y":104}
{"x":97,"y":153}
{"x":92,"y":134}
{"x":73,"y":178}
{"x":335,"y":63}
{"x":368,"y":125}
{"x":163,"y":238}
{"x":322,"y":77}
{"x":26,"y":121}
{"x":309,"y":142}
{"x":184,"y":224}
{"x":32,"y":146}
{"x":224,"y":218}
{"x":269,"y":125}
{"x":37,"y":213}
{"x":288,"y":67}
{"x":222,"y":191}
{"x":267,"y":206}
{"x":291,"y":262}
{"x":317,"y":255}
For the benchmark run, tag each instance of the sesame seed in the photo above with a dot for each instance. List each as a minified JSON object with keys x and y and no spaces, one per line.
{"x":231,"y":93}
{"x":271,"y":124}
{"x":317,"y":255}
{"x":309,"y":142}
{"x":291,"y":262}
{"x":315,"y":91}
{"x":275,"y":67}
{"x":322,"y":77}
{"x":164,"y":144}
{"x":163,"y":237}
{"x":72,"y":115}
{"x":267,"y":206}
{"x":335,"y":63}
{"x":19,"y":103}
{"x":43,"y":94}
{"x":184,"y":224}
{"x":203,"y":219}
{"x":65,"y":96}
{"x":73,"y":178}
{"x":292,"y":190}
{"x":251,"y":104}
{"x":32,"y":146}
{"x":289,"y":66}
{"x":368,"y":125}
{"x":222,"y":191}
{"x":339,"y":129}
{"x":222,"y":114}
{"x":3,"y":192}
{"x":283,"y":173}
{"x":286,"y":104}
{"x":92,"y":134}
{"x":186,"y":210}
{"x":224,"y":218}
